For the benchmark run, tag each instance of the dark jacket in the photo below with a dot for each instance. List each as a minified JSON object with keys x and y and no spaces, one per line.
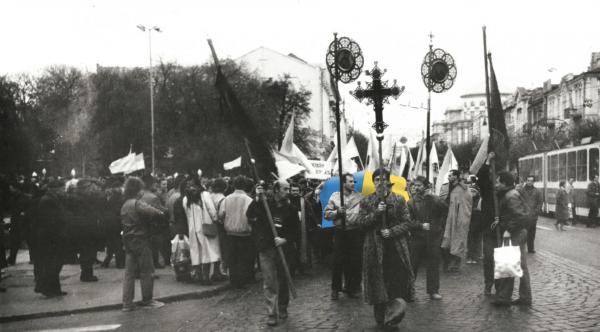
{"x":533,"y":198}
{"x":285,"y":218}
{"x":112,"y":212}
{"x":513,"y":213}
{"x":562,"y":205}
{"x":428,"y":209}
{"x":49,"y":230}
{"x":593,"y":194}
{"x":487,"y":200}
{"x":136,"y":217}
{"x":180,"y":223}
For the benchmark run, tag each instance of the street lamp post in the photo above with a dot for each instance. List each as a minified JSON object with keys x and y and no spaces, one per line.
{"x":157,"y":29}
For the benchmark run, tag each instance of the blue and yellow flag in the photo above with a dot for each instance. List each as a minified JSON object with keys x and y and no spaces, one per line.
{"x":364,"y":185}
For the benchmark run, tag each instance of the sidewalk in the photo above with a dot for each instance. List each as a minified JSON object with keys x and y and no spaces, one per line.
{"x":19,"y":302}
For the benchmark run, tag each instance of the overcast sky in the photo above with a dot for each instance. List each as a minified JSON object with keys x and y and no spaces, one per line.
{"x":526,"y":39}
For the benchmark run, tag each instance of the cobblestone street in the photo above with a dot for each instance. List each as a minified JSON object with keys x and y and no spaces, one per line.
{"x":566,"y":298}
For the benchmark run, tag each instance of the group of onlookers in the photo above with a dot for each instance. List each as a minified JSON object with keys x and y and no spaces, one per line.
{"x":378,"y":244}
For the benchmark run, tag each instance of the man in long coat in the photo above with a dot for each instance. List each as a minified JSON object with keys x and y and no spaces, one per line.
{"x":460,"y":204}
{"x":387,"y":270}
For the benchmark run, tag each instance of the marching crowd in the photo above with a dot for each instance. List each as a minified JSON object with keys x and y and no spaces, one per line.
{"x":377,"y":245}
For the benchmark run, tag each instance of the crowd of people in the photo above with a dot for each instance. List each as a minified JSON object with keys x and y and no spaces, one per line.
{"x":234,"y":227}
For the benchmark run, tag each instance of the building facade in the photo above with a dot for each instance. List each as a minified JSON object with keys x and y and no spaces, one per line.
{"x":267,"y":63}
{"x":465,"y":122}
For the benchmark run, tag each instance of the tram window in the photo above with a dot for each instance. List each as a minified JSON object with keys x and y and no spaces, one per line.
{"x":554,"y":168}
{"x":523,"y":170}
{"x":582,"y":165}
{"x":571,"y":165}
{"x":562,"y":166}
{"x":537,"y":169}
{"x":594,"y":163}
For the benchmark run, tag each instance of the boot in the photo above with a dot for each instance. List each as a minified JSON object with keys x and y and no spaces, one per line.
{"x":205,"y":275}
{"x":217,"y":275}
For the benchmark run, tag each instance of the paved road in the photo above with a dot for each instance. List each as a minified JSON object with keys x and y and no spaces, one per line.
{"x":566,"y":298}
{"x":578,"y":243}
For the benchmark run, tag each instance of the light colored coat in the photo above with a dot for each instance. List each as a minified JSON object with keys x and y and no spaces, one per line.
{"x":458,"y":220}
{"x":202,"y":249}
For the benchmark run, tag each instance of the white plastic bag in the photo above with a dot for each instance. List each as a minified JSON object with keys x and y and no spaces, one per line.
{"x":507,"y":261}
{"x":180,"y":249}
{"x":180,"y":258}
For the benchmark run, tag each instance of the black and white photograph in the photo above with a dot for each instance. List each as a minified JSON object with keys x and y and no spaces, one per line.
{"x":299,"y":165}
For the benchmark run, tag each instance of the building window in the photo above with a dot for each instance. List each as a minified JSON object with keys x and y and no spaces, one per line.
{"x":472,"y":103}
{"x":482,"y":103}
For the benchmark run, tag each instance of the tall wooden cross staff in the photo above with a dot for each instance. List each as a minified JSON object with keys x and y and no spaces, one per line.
{"x":378,"y":93}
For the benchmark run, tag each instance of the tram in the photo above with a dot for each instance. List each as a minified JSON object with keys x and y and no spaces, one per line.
{"x":549,"y":168}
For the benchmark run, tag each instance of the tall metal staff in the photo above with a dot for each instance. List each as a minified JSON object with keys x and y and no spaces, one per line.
{"x":492,"y":162}
{"x":378,"y":93}
{"x":438,"y":72}
{"x":344,"y":62}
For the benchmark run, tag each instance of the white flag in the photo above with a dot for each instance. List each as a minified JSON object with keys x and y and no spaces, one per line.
{"x":237,"y":162}
{"x":434,"y":163}
{"x":448,"y":164}
{"x":121,"y":165}
{"x":291,"y":152}
{"x":128,"y":164}
{"x":481,"y":156}
{"x":417,"y":168}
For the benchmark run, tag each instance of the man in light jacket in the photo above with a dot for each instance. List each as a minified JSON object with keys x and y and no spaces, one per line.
{"x":241,"y":251}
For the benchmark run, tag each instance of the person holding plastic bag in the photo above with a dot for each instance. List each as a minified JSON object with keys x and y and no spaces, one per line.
{"x":180,"y":253}
{"x":513,"y":226}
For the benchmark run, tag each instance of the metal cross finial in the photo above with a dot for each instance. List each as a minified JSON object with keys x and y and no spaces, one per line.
{"x":377,"y":93}
{"x":431,"y":38}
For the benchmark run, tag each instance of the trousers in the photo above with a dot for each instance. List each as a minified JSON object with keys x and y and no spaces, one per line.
{"x":275,"y":286}
{"x":347,"y":260}
{"x":424,"y":251}
{"x":241,"y":259}
{"x":504,"y":287}
{"x":138,"y":260}
{"x":531,"y":237}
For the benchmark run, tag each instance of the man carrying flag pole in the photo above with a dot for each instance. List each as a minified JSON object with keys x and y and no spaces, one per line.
{"x":275,"y":263}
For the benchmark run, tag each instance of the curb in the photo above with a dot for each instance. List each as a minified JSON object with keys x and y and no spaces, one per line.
{"x":165,"y":299}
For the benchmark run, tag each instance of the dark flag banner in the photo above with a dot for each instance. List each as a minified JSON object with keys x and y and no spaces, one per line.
{"x":236,"y":114}
{"x":499,"y":135}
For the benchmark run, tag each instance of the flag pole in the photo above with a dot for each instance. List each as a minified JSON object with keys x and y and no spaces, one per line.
{"x":263,"y":199}
{"x":491,"y":146}
{"x":337,"y":124}
{"x":428,"y":146}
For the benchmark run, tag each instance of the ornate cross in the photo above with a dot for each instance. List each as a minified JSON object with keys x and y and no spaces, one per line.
{"x":377,"y":93}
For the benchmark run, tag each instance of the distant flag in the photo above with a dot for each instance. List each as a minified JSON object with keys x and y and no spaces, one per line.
{"x":434,"y":163}
{"x":128,"y":164}
{"x":481,"y":156}
{"x":237,"y":162}
{"x":418,"y":165}
{"x":290,"y":151}
{"x":285,"y":168}
{"x":449,"y":163}
{"x":402,"y":161}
